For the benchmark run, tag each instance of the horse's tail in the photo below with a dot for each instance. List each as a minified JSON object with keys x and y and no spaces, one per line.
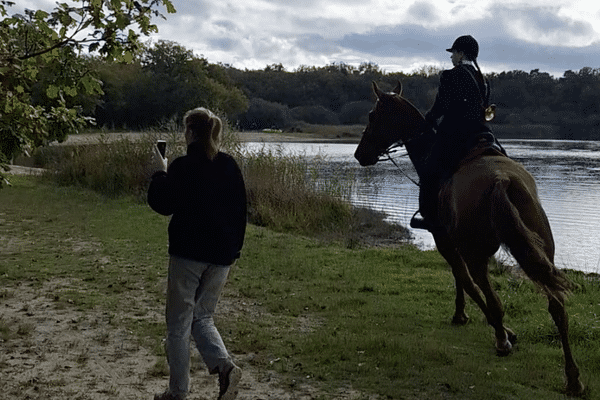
{"x":527,"y":246}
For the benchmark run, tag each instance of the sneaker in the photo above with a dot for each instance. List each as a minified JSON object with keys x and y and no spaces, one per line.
{"x":228,"y":383}
{"x":167,"y":395}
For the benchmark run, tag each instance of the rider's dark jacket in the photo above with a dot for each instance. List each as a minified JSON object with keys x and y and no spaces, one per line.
{"x":460,"y":101}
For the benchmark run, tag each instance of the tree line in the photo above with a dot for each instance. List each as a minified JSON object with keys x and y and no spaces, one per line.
{"x":529,"y":104}
{"x":167,"y":79}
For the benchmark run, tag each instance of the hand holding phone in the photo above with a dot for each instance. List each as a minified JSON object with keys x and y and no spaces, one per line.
{"x":162,"y":147}
{"x":158,"y":155}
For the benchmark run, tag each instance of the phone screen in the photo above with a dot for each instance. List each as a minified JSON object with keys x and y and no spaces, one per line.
{"x":162,"y":147}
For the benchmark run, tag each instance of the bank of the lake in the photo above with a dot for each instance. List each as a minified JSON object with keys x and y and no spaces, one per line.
{"x":567,"y":174}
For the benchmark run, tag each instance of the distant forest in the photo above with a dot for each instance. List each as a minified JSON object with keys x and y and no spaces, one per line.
{"x":166,"y":80}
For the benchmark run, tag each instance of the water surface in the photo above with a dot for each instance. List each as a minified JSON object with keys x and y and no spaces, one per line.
{"x":567,"y":174}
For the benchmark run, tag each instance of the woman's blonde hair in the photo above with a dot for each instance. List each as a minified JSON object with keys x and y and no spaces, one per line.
{"x":201,"y":125}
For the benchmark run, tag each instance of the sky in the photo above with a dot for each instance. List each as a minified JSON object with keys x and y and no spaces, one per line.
{"x":398,"y":35}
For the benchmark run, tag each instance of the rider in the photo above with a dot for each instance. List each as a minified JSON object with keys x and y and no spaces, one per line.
{"x":462,"y":99}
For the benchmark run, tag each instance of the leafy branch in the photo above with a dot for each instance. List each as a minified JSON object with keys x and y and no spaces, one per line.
{"x":44,"y":48}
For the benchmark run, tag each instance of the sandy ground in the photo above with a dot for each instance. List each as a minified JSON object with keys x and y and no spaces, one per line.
{"x":53,"y":351}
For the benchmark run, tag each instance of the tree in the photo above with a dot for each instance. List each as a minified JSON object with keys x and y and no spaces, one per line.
{"x":161,"y":85}
{"x":44,"y":41}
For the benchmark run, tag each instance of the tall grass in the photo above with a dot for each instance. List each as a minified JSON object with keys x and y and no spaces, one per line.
{"x":113,"y":168}
{"x":283,"y":197}
{"x":284,"y":191}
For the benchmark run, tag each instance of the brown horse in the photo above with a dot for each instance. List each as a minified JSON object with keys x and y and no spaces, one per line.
{"x":489,"y":201}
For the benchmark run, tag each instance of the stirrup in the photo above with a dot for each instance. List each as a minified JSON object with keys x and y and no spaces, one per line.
{"x":422,"y":223}
{"x":418,"y":222}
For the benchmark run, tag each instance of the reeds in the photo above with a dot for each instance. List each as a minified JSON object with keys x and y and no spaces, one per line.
{"x":283,"y":196}
{"x":284,"y":191}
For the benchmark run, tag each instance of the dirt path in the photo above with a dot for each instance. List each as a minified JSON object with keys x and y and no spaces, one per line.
{"x":53,"y":351}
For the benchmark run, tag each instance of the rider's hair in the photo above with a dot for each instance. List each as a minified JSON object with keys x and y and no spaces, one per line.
{"x":485,"y":82}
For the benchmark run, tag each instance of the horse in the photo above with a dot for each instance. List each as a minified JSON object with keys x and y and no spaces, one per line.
{"x":490,"y":200}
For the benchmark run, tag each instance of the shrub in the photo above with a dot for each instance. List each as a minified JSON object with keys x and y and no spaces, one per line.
{"x":284,"y":191}
{"x":111,"y":168}
{"x":315,"y":115}
{"x":264,"y":114}
{"x":356,"y":112}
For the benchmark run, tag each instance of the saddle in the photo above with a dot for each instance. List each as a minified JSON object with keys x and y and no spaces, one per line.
{"x":484,"y":144}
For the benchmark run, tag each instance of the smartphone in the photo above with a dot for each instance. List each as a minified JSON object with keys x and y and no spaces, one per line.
{"x":162,"y":147}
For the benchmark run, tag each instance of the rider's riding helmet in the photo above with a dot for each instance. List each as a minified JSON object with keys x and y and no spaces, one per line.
{"x":468,"y":45}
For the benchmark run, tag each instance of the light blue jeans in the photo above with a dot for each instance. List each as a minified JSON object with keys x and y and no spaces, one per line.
{"x":192,"y":294}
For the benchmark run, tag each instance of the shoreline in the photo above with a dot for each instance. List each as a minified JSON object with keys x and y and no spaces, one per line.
{"x":249,"y":136}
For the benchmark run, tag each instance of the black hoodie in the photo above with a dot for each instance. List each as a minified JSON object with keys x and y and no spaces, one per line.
{"x":208,"y":202}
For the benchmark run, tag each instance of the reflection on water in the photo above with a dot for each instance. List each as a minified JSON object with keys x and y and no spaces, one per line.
{"x":567,"y":175}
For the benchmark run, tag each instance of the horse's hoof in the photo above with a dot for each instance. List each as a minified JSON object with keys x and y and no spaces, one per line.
{"x":512,"y":337}
{"x":504,"y":349}
{"x":460,"y":319}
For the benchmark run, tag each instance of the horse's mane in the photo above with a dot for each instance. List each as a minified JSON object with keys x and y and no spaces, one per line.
{"x":411,"y":105}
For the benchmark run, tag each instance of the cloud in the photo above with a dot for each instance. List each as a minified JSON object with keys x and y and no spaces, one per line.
{"x":552,"y":35}
{"x":422,"y":11}
{"x":395,"y":41}
{"x":547,"y":26}
{"x":317,"y":44}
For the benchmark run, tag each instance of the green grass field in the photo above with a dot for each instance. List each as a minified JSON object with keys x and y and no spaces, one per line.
{"x":377,"y":319}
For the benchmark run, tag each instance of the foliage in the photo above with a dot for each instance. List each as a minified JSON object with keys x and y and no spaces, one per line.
{"x":355,"y":112}
{"x":528,"y":103}
{"x":284,"y":190}
{"x":318,"y":115}
{"x":113,"y":168}
{"x":117,"y":167}
{"x":42,"y":72}
{"x":263,"y":114}
{"x":163,"y":83}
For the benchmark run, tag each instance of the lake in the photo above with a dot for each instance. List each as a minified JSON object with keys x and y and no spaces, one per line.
{"x":567,"y":174}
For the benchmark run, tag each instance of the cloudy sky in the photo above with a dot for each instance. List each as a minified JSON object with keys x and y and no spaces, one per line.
{"x":398,"y":35}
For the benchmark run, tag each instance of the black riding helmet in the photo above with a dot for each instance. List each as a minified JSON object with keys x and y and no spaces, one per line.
{"x":468,"y":45}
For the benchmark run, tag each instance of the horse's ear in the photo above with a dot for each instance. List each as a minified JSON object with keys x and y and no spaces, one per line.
{"x":398,"y":89}
{"x":377,"y":91}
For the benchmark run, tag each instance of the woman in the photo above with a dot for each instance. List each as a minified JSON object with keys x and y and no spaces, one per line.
{"x":205,"y":194}
{"x":462,"y":98}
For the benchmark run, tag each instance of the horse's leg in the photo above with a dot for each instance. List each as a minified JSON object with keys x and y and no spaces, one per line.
{"x":524,"y":228}
{"x":495,"y":316}
{"x":464,"y":282}
{"x":460,"y":316}
{"x":559,"y":315}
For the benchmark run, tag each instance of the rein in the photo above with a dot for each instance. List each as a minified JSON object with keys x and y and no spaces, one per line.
{"x":388,"y":153}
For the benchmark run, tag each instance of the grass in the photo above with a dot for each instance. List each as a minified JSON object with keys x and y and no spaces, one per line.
{"x":320,"y":313}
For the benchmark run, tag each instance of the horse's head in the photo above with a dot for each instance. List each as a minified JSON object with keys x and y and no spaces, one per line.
{"x":393,"y":119}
